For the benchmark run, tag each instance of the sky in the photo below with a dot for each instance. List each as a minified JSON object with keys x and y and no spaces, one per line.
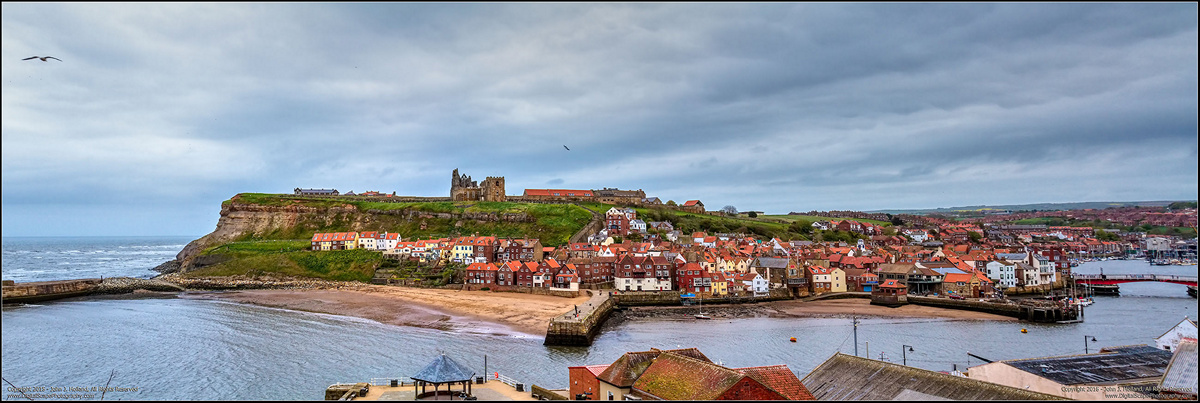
{"x":158,"y":112}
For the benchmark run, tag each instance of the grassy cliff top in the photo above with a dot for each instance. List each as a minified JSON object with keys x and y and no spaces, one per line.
{"x":553,"y":224}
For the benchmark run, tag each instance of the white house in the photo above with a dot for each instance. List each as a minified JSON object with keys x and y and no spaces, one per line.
{"x":1045,"y":267}
{"x":366,"y":240}
{"x":638,"y":226}
{"x":1002,"y":272}
{"x":542,"y":279}
{"x":755,"y":283}
{"x":387,"y":241}
{"x":917,"y":235}
{"x":1027,"y":274}
{"x":1169,"y":340}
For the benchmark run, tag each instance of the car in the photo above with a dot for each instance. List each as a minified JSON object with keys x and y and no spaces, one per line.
{"x":954,"y":296}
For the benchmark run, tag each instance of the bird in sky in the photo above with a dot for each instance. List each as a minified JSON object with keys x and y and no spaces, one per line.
{"x":42,"y":57}
{"x":568,"y":149}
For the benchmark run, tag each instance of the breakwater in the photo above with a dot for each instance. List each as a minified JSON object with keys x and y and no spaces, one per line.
{"x":47,"y":290}
{"x":579,"y":326}
{"x":1045,"y":312}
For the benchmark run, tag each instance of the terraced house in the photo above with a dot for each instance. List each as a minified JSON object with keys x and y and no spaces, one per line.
{"x":648,"y":273}
{"x":334,"y":240}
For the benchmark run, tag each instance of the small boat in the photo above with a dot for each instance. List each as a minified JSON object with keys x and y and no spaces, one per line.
{"x":702,"y":315}
{"x":1084,"y":302}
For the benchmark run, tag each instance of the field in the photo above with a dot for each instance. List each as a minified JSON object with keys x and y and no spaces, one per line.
{"x":812,"y":218}
{"x":291,"y":258}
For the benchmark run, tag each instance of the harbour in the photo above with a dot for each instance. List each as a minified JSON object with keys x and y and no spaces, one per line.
{"x":228,"y":346}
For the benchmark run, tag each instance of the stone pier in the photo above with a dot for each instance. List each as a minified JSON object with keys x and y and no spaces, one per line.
{"x":571,"y":329}
{"x":47,"y":290}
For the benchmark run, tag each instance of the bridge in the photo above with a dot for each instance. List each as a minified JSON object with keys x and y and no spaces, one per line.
{"x":1109,"y":279}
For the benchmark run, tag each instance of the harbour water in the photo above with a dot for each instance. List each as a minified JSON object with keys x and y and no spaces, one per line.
{"x":170,"y":348}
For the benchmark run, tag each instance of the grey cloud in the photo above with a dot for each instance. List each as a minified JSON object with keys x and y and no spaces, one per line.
{"x":773,"y":106}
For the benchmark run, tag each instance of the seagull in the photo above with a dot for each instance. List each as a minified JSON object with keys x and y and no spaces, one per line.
{"x":568,"y":149}
{"x":43,"y":58}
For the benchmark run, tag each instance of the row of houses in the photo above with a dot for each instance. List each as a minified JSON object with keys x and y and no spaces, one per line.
{"x":725,"y":264}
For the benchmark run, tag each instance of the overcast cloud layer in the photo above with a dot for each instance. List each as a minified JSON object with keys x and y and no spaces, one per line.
{"x":159,"y":112}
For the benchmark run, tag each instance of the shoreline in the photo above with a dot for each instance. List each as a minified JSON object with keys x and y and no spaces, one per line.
{"x":481,"y":312}
{"x":486,"y":312}
{"x":835,"y":308}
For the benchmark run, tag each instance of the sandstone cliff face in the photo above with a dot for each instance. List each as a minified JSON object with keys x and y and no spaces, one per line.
{"x":240,"y":220}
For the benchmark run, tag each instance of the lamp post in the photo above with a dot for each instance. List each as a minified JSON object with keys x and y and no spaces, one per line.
{"x":1085,"y":341}
{"x":904,"y":353}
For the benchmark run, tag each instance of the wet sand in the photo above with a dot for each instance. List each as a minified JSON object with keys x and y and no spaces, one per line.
{"x":862,"y":307}
{"x":468,"y":311}
{"x":526,"y":314}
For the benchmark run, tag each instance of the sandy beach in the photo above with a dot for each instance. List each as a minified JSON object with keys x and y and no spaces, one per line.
{"x":836,"y":308}
{"x":862,"y":307}
{"x":470,"y":311}
{"x":518,"y":313}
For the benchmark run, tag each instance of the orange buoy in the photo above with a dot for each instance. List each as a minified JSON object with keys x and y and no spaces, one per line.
{"x":793,"y":340}
{"x":1024,"y":331}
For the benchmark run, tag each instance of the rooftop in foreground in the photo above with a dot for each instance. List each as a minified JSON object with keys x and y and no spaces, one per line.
{"x":490,"y":390}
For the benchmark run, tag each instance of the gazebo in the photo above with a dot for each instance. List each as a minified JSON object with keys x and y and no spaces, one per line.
{"x":443,"y":370}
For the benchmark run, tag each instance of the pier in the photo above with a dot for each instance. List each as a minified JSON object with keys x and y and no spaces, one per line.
{"x":579,"y":326}
{"x":1113,"y":279}
{"x":19,"y":293}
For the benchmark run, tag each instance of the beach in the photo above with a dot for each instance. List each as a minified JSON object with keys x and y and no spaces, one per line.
{"x":832,"y":308}
{"x":469,"y":311}
{"x":528,"y":314}
{"x":862,"y":307}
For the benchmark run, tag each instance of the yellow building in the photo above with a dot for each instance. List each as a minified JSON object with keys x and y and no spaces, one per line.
{"x":837,"y":280}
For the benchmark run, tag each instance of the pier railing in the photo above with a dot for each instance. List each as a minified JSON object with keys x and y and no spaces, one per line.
{"x":504,"y":379}
{"x":1135,"y":277}
{"x":400,"y":380}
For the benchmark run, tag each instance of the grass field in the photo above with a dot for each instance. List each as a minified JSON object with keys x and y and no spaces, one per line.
{"x":812,"y":218}
{"x":291,"y":258}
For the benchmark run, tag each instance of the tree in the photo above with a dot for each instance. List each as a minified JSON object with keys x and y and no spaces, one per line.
{"x":671,"y":203}
{"x":729,"y":210}
{"x":753,"y":214}
{"x":803,"y":227}
{"x":896,"y":221}
{"x":975,"y":236}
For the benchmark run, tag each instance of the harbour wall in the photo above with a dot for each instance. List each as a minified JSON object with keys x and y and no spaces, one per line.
{"x":570,"y":329}
{"x":1032,"y":313}
{"x":47,"y":290}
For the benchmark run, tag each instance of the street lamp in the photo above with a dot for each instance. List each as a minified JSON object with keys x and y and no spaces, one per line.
{"x":1085,"y":341}
{"x":904,"y":353}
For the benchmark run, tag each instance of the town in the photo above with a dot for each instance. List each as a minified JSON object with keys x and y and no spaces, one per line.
{"x":983,"y":258}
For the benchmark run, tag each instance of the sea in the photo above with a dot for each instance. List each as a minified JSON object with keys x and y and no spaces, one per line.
{"x":168,"y":348}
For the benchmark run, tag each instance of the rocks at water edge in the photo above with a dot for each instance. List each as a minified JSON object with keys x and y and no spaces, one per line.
{"x":123,"y":285}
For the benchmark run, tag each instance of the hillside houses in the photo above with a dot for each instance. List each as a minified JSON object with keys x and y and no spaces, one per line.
{"x":957,"y":263}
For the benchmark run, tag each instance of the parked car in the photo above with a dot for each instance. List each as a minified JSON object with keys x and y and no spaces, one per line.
{"x":956,"y":296}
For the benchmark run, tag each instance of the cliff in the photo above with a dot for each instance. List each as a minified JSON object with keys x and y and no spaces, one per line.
{"x":261,"y":217}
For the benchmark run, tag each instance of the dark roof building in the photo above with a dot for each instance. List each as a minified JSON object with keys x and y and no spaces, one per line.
{"x":1131,"y":367}
{"x":1180,"y":380}
{"x":443,"y":370}
{"x":846,"y":377}
{"x":686,"y":374}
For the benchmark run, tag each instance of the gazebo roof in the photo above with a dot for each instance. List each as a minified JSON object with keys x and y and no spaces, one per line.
{"x":444,"y":370}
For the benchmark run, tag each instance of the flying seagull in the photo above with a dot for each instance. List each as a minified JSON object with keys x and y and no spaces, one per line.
{"x":43,"y":58}
{"x":568,"y":149}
